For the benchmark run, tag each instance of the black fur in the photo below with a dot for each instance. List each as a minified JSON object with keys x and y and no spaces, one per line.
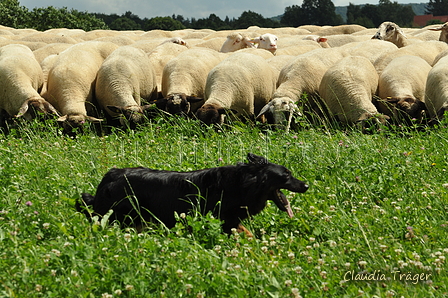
{"x":232,"y":193}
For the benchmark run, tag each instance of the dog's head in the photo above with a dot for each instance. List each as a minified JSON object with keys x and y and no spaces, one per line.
{"x":274,"y":177}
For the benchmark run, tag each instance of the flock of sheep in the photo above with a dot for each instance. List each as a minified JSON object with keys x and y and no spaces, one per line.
{"x":349,"y":73}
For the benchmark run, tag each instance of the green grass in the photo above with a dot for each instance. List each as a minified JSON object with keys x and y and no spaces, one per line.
{"x":377,"y":204}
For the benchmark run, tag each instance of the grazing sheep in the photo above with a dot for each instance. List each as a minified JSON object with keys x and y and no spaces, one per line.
{"x":236,"y":41}
{"x":21,"y":78}
{"x":266,"y":41}
{"x":443,"y":32}
{"x":242,"y":82}
{"x":436,"y":97}
{"x":125,"y":78}
{"x":303,"y":75}
{"x":71,"y":81}
{"x":322,"y":41}
{"x":347,"y":89}
{"x":401,"y":87}
{"x":428,"y":50}
{"x":391,"y":32}
{"x":183,"y":80}
{"x":160,"y":56}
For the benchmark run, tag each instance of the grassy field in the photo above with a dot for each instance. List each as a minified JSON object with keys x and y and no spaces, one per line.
{"x":373,"y":223}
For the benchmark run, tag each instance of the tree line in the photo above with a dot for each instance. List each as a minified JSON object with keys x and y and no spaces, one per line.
{"x":311,"y":12}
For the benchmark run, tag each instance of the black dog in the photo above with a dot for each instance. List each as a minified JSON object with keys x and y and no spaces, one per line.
{"x":232,"y":193}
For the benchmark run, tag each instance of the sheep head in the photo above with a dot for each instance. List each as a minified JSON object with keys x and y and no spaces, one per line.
{"x":177,"y":103}
{"x":391,"y":32}
{"x":443,"y":32}
{"x":212,"y":114}
{"x":130,"y":115}
{"x":236,"y":41}
{"x":73,"y":121}
{"x":401,"y":108}
{"x":266,"y":41}
{"x":38,"y":105}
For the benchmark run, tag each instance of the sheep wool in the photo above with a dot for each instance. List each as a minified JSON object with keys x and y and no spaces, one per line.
{"x":125,"y":77}
{"x":21,"y":79}
{"x":347,"y":89}
{"x":242,"y":82}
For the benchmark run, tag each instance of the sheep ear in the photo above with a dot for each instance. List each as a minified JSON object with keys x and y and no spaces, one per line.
{"x":93,"y":119}
{"x":50,"y":109}
{"x":194,"y":99}
{"x":265,"y":109}
{"x":322,"y":39}
{"x":62,"y":118}
{"x":436,"y":28}
{"x":23,"y":109}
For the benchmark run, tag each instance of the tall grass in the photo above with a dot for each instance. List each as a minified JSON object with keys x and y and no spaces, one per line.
{"x":376,"y":209}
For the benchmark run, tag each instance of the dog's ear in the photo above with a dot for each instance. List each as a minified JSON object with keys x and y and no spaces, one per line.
{"x":255,"y":159}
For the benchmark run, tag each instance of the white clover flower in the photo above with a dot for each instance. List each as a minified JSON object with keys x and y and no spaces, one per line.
{"x":362,"y":263}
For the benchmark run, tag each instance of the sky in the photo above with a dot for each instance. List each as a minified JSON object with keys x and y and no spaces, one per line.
{"x":187,"y":8}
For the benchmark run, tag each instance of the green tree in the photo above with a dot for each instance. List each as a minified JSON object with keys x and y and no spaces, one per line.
{"x":250,"y":18}
{"x":437,"y":7}
{"x":13,"y":15}
{"x":124,"y":23}
{"x":292,"y":16}
{"x":51,"y":17}
{"x":316,"y":12}
{"x":163,"y":23}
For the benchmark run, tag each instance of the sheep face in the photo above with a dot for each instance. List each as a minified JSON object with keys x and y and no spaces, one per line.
{"x":267,"y":41}
{"x":278,"y":110}
{"x":388,"y":31}
{"x":399,"y":108}
{"x":211,"y":114}
{"x":178,"y":104}
{"x":130,"y":115}
{"x":75,"y":121}
{"x":443,"y":32}
{"x":38,"y":105}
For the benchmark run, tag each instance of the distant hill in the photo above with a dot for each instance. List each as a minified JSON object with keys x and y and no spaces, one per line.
{"x":418,"y":8}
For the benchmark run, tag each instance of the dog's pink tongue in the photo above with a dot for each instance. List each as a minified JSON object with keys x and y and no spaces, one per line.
{"x":289,"y":210}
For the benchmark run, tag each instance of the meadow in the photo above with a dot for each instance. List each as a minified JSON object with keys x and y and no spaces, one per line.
{"x":372,"y":224}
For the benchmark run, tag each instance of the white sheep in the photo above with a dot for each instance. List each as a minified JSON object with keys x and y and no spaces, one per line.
{"x":341,"y":29}
{"x":236,"y":41}
{"x":160,"y":56}
{"x":391,"y":32}
{"x":303,"y":75}
{"x":266,"y":41}
{"x":347,"y":89}
{"x":436,"y":97}
{"x":371,"y":48}
{"x":50,"y":49}
{"x":443,"y":32}
{"x":428,"y":50}
{"x":71,"y":81}
{"x":401,"y":88}
{"x":125,"y":78}
{"x":21,"y":78}
{"x":183,"y":80}
{"x":243,"y":83}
